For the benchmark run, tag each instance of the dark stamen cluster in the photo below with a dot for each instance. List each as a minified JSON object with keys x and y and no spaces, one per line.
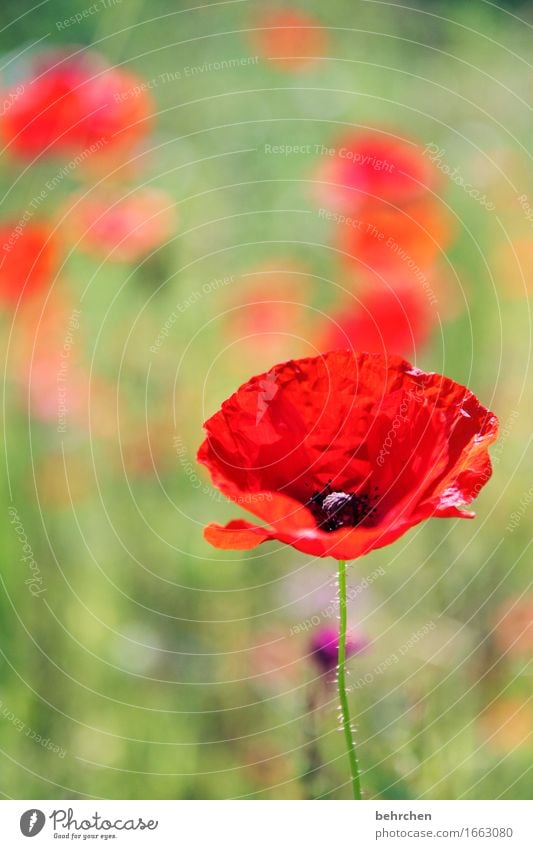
{"x":334,"y":510}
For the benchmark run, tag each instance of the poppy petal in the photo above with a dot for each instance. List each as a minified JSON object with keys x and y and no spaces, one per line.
{"x":237,"y":534}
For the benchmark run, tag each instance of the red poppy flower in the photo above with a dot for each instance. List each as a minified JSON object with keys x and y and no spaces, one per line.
{"x":396,"y":240}
{"x":122,"y":228}
{"x":343,"y":453}
{"x":371,"y":164}
{"x":324,"y":647}
{"x":395,"y":319}
{"x":29,"y":259}
{"x":289,"y":38}
{"x":70,"y":104}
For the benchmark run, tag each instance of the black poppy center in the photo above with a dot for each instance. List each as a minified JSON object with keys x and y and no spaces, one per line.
{"x":334,"y":510}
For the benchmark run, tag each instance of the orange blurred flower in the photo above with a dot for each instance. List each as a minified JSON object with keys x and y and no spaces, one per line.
{"x":513,"y":626}
{"x":270,"y":768}
{"x":122,"y":228}
{"x":370,"y":164}
{"x":289,"y":38}
{"x":29,"y":259}
{"x":73,"y":104}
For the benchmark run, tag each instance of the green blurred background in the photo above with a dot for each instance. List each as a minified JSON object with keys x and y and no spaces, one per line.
{"x":157,"y":666}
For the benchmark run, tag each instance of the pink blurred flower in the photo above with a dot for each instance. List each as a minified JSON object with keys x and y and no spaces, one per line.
{"x":395,"y":319}
{"x":275,"y":659}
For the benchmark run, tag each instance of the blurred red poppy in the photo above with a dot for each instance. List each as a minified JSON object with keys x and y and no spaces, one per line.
{"x":369,"y":164}
{"x":122,"y":228}
{"x":395,"y":319}
{"x":343,"y":453}
{"x":398,"y":240}
{"x":75,"y":105}
{"x":289,"y":38}
{"x":513,"y":264}
{"x":29,"y":259}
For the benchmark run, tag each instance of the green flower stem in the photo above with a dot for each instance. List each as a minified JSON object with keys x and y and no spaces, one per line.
{"x":341,"y":678}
